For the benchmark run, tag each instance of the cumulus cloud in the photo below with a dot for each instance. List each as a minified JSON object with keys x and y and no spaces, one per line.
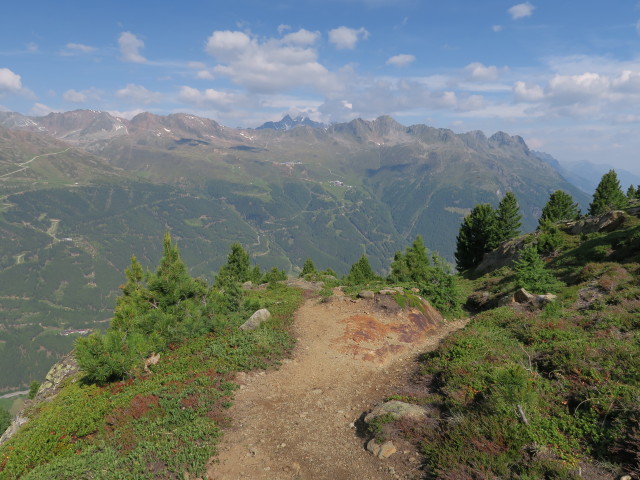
{"x":210,"y":98}
{"x":345,"y":38}
{"x":521,"y":10}
{"x":130,"y":46}
{"x":302,"y":37}
{"x":478,"y":72}
{"x":128,"y":114}
{"x":401,"y":60}
{"x":137,"y":94}
{"x":269,"y":65}
{"x":283,"y":28}
{"x":524,"y":92}
{"x":75,"y":96}
{"x":10,"y":82}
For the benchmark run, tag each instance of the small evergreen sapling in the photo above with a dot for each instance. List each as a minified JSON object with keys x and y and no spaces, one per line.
{"x":559,"y":207}
{"x":532,"y":275}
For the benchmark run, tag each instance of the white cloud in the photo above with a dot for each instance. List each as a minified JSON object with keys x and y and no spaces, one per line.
{"x":211,"y":98}
{"x":40,"y":110}
{"x":74,"y":96}
{"x":10,"y":82}
{"x":32,"y":47}
{"x":521,"y":10}
{"x":205,"y":75}
{"x":283,"y":28}
{"x":346,"y":38}
{"x":527,"y":93}
{"x":302,"y":37}
{"x":401,"y":60}
{"x":479,"y":72}
{"x":138,"y":94}
{"x":130,"y":46}
{"x":79,"y":48}
{"x":270,"y":65}
{"x":497,"y":28}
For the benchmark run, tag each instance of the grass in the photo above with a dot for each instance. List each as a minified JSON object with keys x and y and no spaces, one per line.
{"x":164,"y":424}
{"x":536,"y":394}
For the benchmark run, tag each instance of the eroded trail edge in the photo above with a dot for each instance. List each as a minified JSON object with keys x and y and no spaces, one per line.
{"x":297,"y":422}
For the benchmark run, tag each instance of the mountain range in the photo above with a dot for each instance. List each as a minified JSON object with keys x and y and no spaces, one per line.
{"x":84,"y":190}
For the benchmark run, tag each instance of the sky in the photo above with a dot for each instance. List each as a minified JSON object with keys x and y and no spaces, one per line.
{"x":564,"y":75}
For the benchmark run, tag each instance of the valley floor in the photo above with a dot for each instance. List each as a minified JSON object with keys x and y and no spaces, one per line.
{"x":299,"y":421}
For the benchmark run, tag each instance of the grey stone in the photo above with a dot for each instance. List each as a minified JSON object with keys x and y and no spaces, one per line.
{"x":366,"y":294}
{"x":256,"y":319}
{"x":397,"y":410}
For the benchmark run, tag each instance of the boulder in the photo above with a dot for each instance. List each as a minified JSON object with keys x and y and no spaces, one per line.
{"x":607,"y":222}
{"x":256,"y":319}
{"x":522,"y":297}
{"x":366,"y":294}
{"x":381,"y":450}
{"x":397,"y":410}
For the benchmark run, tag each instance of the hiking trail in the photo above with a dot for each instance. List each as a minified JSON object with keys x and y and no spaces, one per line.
{"x":298,"y":422}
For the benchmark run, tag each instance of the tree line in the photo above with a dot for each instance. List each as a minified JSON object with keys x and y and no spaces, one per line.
{"x":485,"y":228}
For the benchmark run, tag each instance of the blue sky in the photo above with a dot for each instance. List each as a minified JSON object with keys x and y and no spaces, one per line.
{"x":565,"y":75}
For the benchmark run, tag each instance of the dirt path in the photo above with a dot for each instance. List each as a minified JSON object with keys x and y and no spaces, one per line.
{"x":297,"y":422}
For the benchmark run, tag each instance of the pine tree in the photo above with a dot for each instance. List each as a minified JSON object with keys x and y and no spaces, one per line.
{"x":361,"y":272}
{"x":508,"y":218}
{"x":532,"y":275}
{"x":631,"y":192}
{"x":308,"y":268}
{"x":237,"y":266}
{"x":477,"y":236}
{"x":559,"y":207}
{"x":608,"y":195}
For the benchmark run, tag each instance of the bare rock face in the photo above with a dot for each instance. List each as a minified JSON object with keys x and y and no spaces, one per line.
{"x":503,"y":256}
{"x":65,"y":369}
{"x":256,"y":319}
{"x":608,"y":222}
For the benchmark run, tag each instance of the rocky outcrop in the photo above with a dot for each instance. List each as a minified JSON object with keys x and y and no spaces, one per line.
{"x":608,"y":222}
{"x":63,"y":371}
{"x":503,"y":256}
{"x":523,"y":298}
{"x":381,"y":450}
{"x":256,"y":319}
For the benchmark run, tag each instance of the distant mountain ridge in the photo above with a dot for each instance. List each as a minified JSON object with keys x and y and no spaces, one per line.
{"x":287,"y":123}
{"x":586,"y":175}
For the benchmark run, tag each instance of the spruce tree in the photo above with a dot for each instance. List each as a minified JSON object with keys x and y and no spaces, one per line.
{"x":508,"y":218}
{"x":532,"y":275}
{"x":608,"y":195}
{"x":631,"y":192}
{"x":477,"y":236}
{"x":308,"y":268}
{"x":361,"y":272}
{"x":237,"y":266}
{"x":559,"y":207}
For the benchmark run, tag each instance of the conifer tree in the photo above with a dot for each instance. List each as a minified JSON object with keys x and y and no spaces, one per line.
{"x":532,"y":275}
{"x":632,"y":193}
{"x":508,"y":218}
{"x":559,"y":207}
{"x":608,"y":195}
{"x":237,"y":266}
{"x":361,"y":272}
{"x":477,"y":236}
{"x":308,"y":268}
